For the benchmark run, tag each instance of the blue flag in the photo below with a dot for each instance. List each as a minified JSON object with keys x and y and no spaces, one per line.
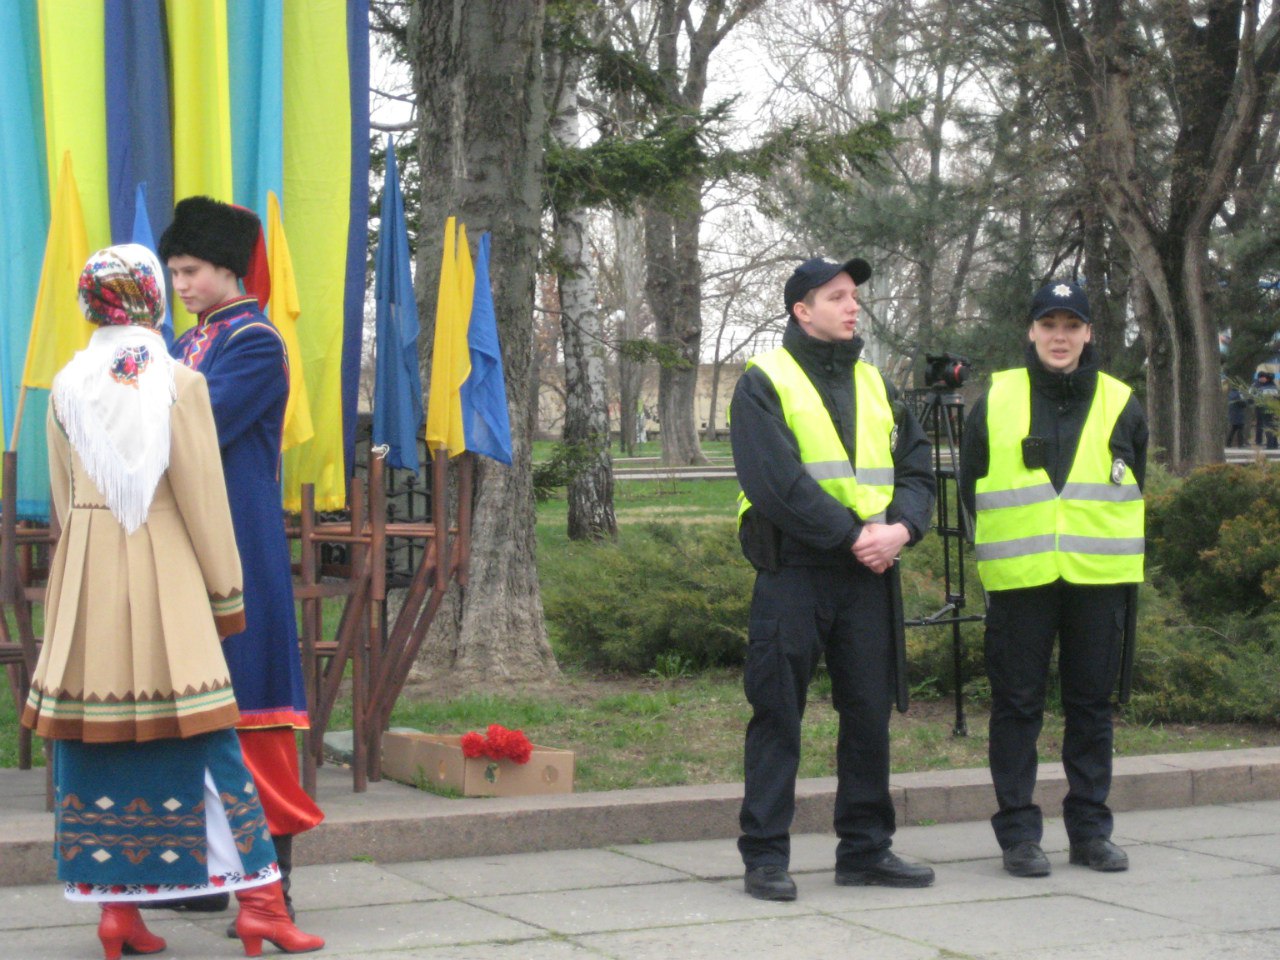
{"x":484,"y":393}
{"x":142,"y":235}
{"x":397,"y":391}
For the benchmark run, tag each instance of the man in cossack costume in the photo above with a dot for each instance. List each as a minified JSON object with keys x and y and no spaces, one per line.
{"x":208,"y":249}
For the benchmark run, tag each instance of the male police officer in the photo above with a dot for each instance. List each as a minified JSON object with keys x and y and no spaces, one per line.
{"x":1052,"y":465}
{"x":836,"y":480}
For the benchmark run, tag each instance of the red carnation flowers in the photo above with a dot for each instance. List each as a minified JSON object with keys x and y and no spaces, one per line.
{"x":498,"y":744}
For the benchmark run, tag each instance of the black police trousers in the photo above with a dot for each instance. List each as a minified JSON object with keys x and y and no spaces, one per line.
{"x":1088,"y":622}
{"x":797,"y":615}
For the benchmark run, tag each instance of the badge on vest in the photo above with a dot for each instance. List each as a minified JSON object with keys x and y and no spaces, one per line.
{"x":1117,"y":471}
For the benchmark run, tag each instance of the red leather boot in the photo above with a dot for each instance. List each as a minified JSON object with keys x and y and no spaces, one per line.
{"x":121,"y":930}
{"x":263,"y":917}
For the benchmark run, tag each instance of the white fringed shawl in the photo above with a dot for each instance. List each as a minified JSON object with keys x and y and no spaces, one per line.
{"x":113,"y":401}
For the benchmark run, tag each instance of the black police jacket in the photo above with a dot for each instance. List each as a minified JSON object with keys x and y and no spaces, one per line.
{"x":1059,"y":404}
{"x":792,"y":520}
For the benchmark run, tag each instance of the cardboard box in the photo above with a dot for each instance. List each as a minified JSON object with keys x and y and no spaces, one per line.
{"x":419,"y":759}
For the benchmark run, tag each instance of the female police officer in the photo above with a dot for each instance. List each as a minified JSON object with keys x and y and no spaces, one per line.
{"x":1052,"y":467}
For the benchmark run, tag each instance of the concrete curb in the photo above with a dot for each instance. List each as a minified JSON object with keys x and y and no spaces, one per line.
{"x":394,"y":823}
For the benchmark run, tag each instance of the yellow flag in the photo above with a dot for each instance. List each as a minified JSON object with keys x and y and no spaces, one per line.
{"x":201,"y":108}
{"x":284,"y":310}
{"x":58,"y":328}
{"x":450,"y":359}
{"x":466,"y":294}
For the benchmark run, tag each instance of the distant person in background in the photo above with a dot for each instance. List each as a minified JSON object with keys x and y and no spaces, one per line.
{"x":1237,"y":404}
{"x":1264,"y":388}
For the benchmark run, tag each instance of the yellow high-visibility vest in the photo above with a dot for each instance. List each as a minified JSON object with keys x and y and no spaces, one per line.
{"x":868,"y":489}
{"x":1027,"y":534}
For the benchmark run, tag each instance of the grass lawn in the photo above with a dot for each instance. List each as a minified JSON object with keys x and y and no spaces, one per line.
{"x":651,"y":732}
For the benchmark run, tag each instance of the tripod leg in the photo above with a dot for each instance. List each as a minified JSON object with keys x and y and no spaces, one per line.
{"x":961,"y":729}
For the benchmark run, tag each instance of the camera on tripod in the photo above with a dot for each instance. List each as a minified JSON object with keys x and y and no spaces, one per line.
{"x":945,"y":371}
{"x":940,"y":408}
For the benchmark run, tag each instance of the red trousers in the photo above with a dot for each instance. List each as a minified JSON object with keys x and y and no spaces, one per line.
{"x":272,"y":757}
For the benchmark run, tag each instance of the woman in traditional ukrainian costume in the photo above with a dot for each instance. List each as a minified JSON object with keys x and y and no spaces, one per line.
{"x":152,"y":798}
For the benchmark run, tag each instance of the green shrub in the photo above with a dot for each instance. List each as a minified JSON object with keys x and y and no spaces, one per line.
{"x":1186,"y":672}
{"x":670,"y":599}
{"x":1215,"y":538}
{"x":663,"y":595}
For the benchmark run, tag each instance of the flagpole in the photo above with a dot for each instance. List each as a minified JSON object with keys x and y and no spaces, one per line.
{"x":17,"y":418}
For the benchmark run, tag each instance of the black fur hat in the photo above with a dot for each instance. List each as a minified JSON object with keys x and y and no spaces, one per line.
{"x":223,"y":234}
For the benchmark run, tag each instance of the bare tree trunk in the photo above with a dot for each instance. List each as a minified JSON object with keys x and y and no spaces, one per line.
{"x":680,"y":443}
{"x":667,"y":290}
{"x":477,"y":76}
{"x":586,"y":412}
{"x":630,"y":243}
{"x":1107,"y":271}
{"x":1161,"y":413}
{"x":546,"y":355}
{"x":713,"y":398}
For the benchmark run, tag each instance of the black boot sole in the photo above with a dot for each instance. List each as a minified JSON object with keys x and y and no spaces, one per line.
{"x":868,"y":879}
{"x":1028,"y":870}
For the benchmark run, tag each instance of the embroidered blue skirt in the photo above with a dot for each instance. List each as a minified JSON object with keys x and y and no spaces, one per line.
{"x":158,"y":820}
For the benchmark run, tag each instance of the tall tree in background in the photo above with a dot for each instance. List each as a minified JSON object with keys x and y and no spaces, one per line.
{"x":586,"y":411}
{"x":673,"y":281}
{"x":477,"y":77}
{"x":1252,"y":254}
{"x":1213,"y":66}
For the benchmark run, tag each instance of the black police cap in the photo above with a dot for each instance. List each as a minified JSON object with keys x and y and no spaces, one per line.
{"x":815,"y":272}
{"x":1060,"y":295}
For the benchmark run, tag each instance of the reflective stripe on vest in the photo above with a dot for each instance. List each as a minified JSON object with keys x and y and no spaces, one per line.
{"x":868,"y":489}
{"x":1027,"y":534}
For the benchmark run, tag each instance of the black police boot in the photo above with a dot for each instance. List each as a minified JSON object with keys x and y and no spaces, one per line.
{"x":889,"y":871}
{"x":1026,"y":859}
{"x":770,"y":882}
{"x":1099,"y":853}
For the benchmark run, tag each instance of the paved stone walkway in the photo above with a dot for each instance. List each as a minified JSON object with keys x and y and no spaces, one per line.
{"x":1205,"y":883}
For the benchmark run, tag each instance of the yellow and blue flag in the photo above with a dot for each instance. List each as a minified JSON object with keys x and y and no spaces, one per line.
{"x":397,"y":391}
{"x":450,"y":360}
{"x":484,"y":395}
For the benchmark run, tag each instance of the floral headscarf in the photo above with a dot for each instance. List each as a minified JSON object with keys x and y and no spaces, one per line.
{"x":123,"y":285}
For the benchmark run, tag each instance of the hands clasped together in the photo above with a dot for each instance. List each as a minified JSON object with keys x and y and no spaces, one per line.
{"x":879,"y":544}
